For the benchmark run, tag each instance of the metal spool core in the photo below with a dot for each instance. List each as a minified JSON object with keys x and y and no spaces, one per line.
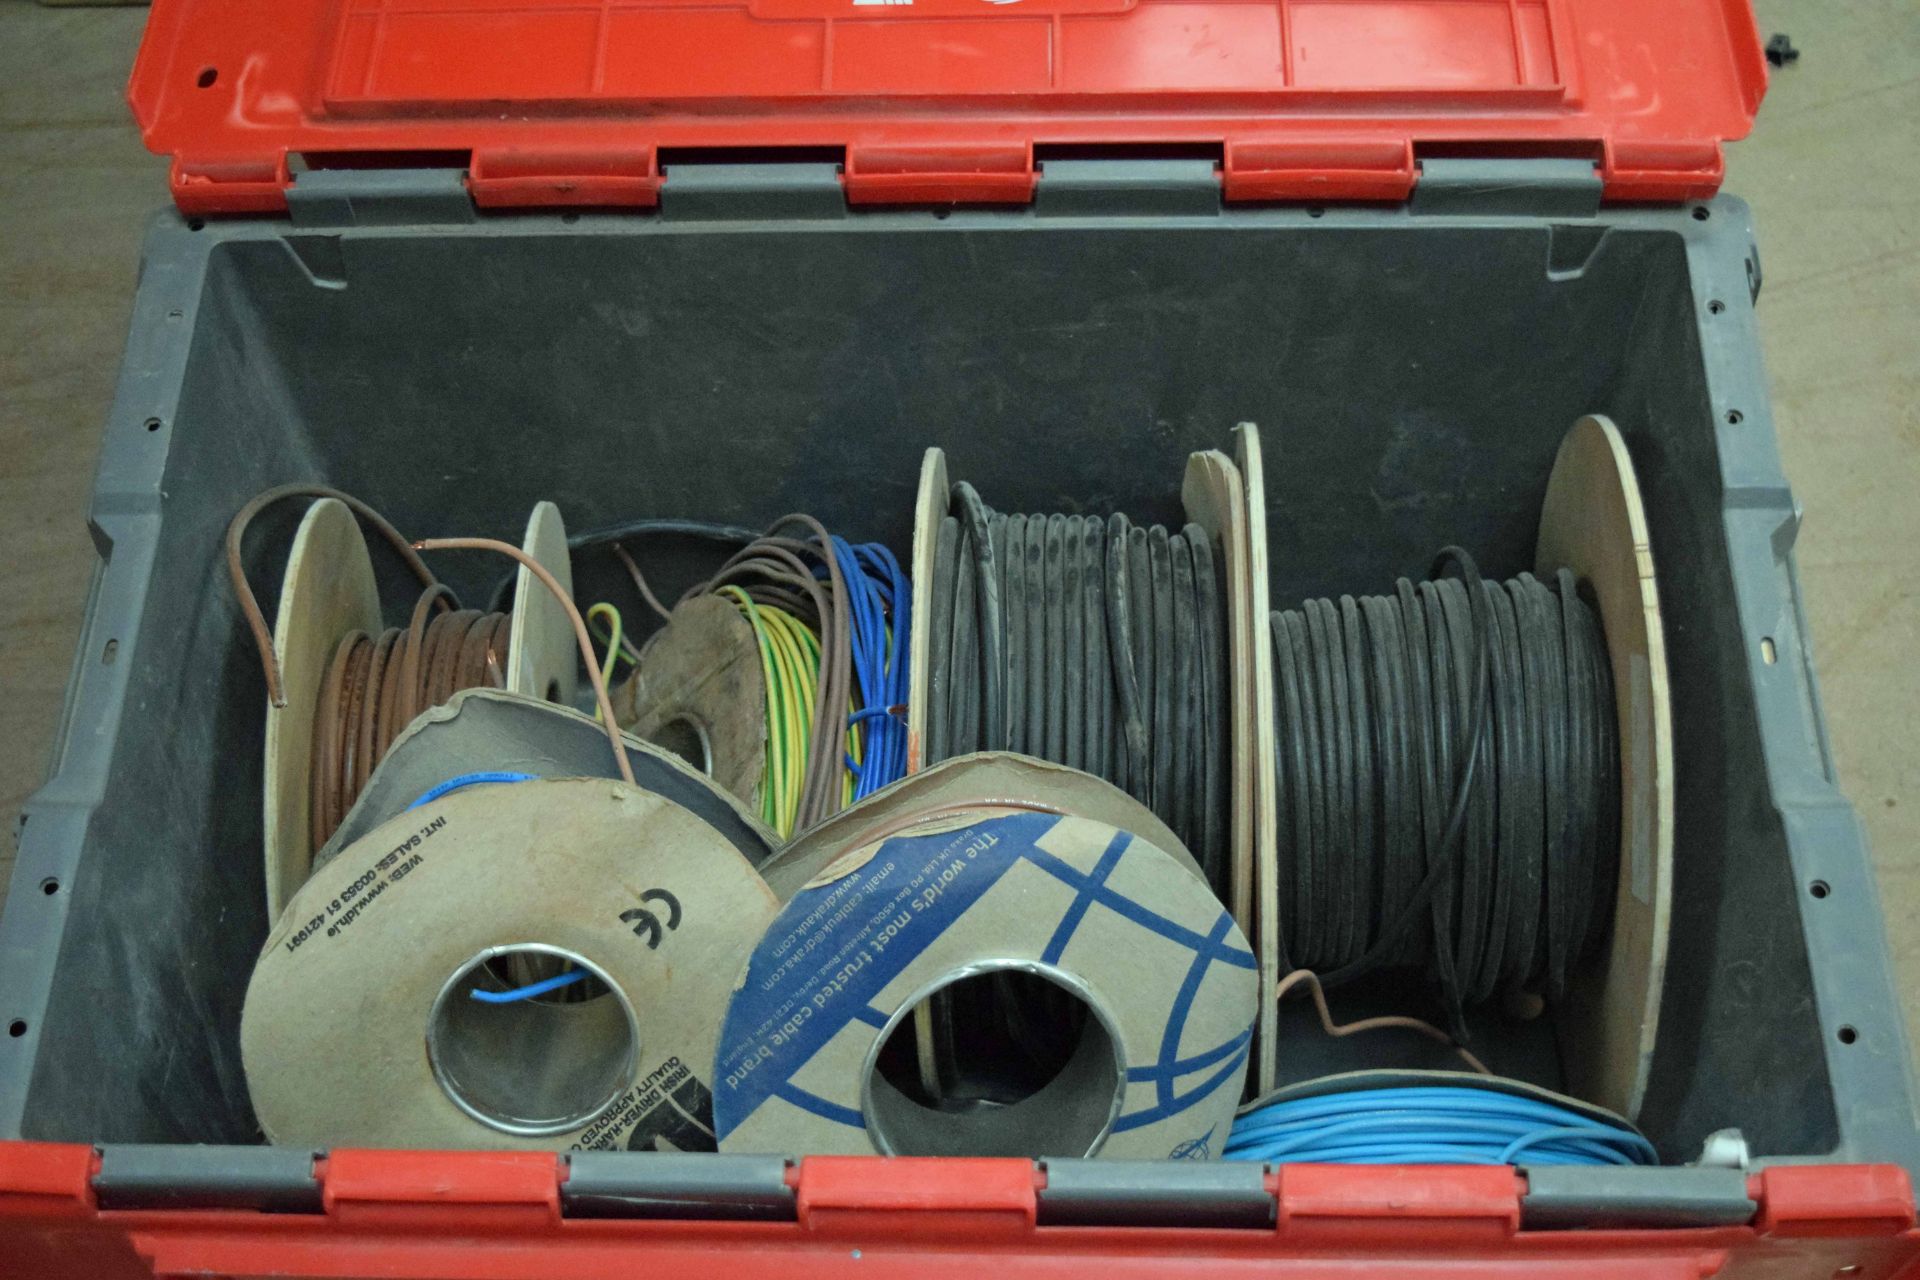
{"x":1068,"y":1115}
{"x":531,"y":1067}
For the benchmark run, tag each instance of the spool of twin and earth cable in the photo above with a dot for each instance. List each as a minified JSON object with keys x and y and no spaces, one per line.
{"x":1093,"y":642}
{"x":1473,"y":778}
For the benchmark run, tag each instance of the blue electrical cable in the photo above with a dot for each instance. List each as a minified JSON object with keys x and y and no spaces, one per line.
{"x":877,"y":590}
{"x":468,"y":780}
{"x":531,"y":990}
{"x":1432,"y":1124}
{"x":486,"y":778}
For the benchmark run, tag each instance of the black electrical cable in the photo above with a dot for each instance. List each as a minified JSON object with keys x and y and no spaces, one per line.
{"x":939,"y":626}
{"x":1214,"y":797}
{"x":1072,"y":598}
{"x":1160,"y":622}
{"x":963,"y":720}
{"x":1447,"y":783}
{"x":973,"y":514}
{"x":1184,"y":755}
{"x":1097,"y":694}
{"x":1101,"y":645}
{"x":1131,"y":723}
{"x":1014,"y":679}
{"x":725,"y":535}
{"x":1039,"y":657}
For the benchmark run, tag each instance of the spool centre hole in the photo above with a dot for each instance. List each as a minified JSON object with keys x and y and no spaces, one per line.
{"x":543,"y":1064}
{"x":1002,"y":1060}
{"x":687,"y":738}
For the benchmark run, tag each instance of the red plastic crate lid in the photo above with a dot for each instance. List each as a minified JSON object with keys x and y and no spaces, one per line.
{"x":550,"y":102}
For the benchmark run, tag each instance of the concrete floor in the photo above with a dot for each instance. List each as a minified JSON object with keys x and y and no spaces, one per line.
{"x":1830,"y":172}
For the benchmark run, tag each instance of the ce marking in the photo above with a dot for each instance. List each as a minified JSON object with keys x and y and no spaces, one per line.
{"x":646,"y":924}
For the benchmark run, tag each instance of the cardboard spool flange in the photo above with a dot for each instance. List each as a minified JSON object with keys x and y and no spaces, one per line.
{"x":1215,"y":493}
{"x":328,"y":593}
{"x":929,"y":506}
{"x":493,"y":731}
{"x":543,"y":657}
{"x":909,"y":897}
{"x":1594,"y":523}
{"x":981,"y":780}
{"x":1266,"y":833}
{"x":359,"y":1028}
{"x":986,"y":781}
{"x":700,"y":685}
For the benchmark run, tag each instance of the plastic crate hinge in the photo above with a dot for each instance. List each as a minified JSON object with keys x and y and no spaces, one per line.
{"x":941,"y":174}
{"x":1171,"y":186}
{"x":1833,"y":1200}
{"x":968,"y":1197}
{"x":1145,"y":1193}
{"x":380,"y":198}
{"x":637,"y":1184}
{"x":1337,"y":1203}
{"x":269,"y":1179}
{"x":734,"y":192}
{"x":1547,"y":187}
{"x":1618,"y":1198}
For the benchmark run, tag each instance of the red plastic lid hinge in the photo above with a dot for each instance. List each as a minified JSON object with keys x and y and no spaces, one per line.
{"x":984,"y":173}
{"x":47,"y":1179}
{"x":1661,"y":171}
{"x":490,"y":1191}
{"x":1833,"y":1200}
{"x":1327,"y":1202}
{"x":536,"y":178}
{"x":1318,"y":169}
{"x":249,"y":184}
{"x":960,"y":1198}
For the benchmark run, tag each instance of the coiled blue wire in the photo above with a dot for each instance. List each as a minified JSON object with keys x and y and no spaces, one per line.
{"x":877,"y":590}
{"x":465,"y":780}
{"x":1431,"y":1124}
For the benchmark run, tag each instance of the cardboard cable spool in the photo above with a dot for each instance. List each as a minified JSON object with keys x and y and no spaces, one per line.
{"x":329,"y":592}
{"x":700,"y":691}
{"x":360,"y":1027}
{"x":986,"y":866}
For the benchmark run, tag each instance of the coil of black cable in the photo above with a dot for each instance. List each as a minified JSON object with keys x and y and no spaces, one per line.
{"x":1097,"y":644}
{"x":1447,"y":783}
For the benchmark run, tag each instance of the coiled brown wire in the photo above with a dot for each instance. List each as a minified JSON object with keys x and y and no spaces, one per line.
{"x":374,"y":686}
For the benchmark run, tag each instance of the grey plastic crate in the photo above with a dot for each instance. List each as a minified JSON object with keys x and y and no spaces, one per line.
{"x":755,"y":348}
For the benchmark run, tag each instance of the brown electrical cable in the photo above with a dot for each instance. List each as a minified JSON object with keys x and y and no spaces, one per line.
{"x":237,"y":572}
{"x":559,"y":593}
{"x":374,"y":686}
{"x":640,"y":583}
{"x":1332,"y":1028}
{"x":779,"y":566}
